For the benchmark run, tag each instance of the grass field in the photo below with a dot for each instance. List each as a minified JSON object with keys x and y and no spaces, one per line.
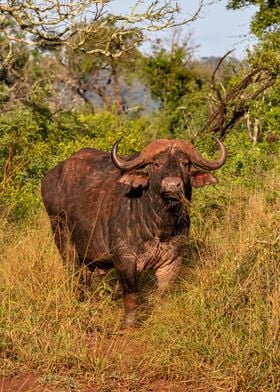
{"x":217,"y":330}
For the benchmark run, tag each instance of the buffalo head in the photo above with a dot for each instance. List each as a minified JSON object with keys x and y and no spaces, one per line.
{"x":170,"y":167}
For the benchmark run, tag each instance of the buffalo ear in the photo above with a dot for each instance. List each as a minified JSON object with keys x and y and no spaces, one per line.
{"x":135,"y":180}
{"x":201,"y":178}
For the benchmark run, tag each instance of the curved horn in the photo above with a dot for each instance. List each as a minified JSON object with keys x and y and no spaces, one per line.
{"x":198,"y":160}
{"x":121,"y":163}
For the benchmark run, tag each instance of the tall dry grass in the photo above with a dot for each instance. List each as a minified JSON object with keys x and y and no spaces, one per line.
{"x":217,"y":330}
{"x":220,"y":331}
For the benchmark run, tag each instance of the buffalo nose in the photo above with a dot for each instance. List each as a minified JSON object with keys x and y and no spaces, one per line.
{"x":172,"y":184}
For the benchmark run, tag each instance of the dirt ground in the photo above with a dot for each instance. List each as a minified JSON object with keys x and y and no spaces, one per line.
{"x":28,"y":383}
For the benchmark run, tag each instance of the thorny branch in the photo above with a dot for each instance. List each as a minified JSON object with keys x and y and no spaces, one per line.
{"x":234,"y":104}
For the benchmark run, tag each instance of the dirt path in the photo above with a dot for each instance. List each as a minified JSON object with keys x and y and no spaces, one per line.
{"x":28,"y":383}
{"x":24,"y":384}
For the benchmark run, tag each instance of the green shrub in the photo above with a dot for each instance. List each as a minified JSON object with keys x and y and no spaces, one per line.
{"x":33,"y":141}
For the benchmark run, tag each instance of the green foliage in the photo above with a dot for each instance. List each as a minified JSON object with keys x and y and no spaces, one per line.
{"x":248,"y":166}
{"x":247,"y":162}
{"x":23,"y":77}
{"x":266,"y":54}
{"x":167,"y":75}
{"x":34,"y":140}
{"x":266,"y":19}
{"x":177,"y":82}
{"x":106,"y":127}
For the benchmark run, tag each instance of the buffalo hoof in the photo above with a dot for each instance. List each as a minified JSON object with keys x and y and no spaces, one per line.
{"x":129,"y":321}
{"x":82,"y":293}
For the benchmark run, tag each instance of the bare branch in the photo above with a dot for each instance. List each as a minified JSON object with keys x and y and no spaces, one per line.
{"x":234,"y":104}
{"x":213,"y":78}
{"x":57,"y":22}
{"x":6,"y":61}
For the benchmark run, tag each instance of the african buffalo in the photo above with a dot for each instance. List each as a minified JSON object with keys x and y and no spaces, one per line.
{"x":107,"y":211}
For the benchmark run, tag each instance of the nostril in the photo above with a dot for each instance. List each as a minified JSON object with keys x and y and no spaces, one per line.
{"x":172,"y":184}
{"x":178,"y":183}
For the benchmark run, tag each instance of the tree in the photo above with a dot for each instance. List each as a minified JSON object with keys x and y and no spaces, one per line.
{"x":172,"y":76}
{"x":52,"y":23}
{"x":22,"y":76}
{"x":195,"y":102}
{"x":101,"y":75}
{"x":263,"y":114}
{"x":267,"y":17}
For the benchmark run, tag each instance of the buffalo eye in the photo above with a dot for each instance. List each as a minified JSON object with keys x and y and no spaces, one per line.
{"x":156,"y":164}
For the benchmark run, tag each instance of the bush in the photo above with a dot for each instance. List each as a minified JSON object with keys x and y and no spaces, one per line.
{"x":32,"y":142}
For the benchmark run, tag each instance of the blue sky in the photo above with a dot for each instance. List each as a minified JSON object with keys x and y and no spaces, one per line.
{"x":215,"y":32}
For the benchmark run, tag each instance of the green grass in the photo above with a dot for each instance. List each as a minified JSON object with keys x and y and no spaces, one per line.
{"x":217,"y":330}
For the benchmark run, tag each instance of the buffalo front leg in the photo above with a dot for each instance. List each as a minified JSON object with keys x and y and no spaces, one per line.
{"x":167,"y":274}
{"x":128,"y":278}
